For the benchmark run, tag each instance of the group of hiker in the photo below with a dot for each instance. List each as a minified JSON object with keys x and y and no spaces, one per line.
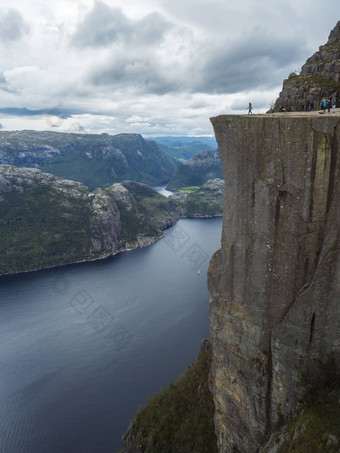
{"x":327,"y":104}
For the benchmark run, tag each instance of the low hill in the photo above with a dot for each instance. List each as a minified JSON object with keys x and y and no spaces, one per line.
{"x":199,"y":169}
{"x":206,"y":201}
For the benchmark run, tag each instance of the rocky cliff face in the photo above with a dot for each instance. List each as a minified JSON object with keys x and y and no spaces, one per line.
{"x":275,"y":282}
{"x":319,"y":77}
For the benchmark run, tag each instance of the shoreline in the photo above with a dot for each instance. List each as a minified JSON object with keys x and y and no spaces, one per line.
{"x":138,"y":244}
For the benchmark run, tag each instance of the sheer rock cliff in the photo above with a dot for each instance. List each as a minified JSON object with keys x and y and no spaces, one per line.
{"x":275,"y":282}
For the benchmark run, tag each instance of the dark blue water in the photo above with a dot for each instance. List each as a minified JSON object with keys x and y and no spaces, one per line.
{"x":82,"y":346}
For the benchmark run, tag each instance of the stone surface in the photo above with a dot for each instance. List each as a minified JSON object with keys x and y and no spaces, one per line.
{"x":275,"y":282}
{"x":319,"y":77}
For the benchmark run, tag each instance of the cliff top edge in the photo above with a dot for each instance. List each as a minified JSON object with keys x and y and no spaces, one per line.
{"x":282,"y":115}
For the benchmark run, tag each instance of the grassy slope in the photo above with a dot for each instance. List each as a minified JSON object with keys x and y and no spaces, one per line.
{"x":195,"y":175}
{"x":318,"y":418}
{"x":205,"y":203}
{"x":309,"y":432}
{"x":42,"y":228}
{"x":179,"y":419}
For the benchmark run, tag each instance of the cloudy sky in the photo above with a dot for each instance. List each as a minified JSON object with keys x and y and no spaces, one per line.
{"x":156,"y":67}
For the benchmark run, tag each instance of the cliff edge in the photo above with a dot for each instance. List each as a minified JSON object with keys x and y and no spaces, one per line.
{"x":275,"y":282}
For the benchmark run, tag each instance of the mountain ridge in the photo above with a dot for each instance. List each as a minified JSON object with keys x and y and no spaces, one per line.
{"x":94,"y":160}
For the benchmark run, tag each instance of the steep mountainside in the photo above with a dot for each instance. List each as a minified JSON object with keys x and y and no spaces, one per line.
{"x":319,"y":77}
{"x":199,"y":169}
{"x":46,"y":221}
{"x":94,"y":160}
{"x":274,"y":284}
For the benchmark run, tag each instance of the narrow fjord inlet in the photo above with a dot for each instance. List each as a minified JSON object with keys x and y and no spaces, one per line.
{"x":67,"y":385}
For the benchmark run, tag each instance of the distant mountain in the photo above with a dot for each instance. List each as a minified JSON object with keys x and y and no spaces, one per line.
{"x":184,"y":148}
{"x":198,"y":170}
{"x":46,"y":221}
{"x":94,"y":160}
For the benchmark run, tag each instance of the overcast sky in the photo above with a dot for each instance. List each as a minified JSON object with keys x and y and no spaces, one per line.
{"x":155,"y":67}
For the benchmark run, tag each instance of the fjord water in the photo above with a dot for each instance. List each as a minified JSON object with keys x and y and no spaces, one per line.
{"x":83,"y":345}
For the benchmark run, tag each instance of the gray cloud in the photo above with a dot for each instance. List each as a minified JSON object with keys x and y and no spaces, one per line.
{"x":167,"y":72}
{"x":12,"y":26}
{"x":253,"y":62}
{"x":141,"y":72}
{"x":105,"y":25}
{"x":24,"y":111}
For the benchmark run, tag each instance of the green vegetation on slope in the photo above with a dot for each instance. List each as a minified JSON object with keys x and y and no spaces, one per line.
{"x":189,"y":189}
{"x":179,"y":419}
{"x":200,"y":169}
{"x":317,"y":427}
{"x":43,"y":227}
{"x":145,"y":213}
{"x":207,"y":201}
{"x":46,"y":221}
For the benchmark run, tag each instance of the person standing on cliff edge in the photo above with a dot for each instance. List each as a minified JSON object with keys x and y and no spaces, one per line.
{"x":250,"y":108}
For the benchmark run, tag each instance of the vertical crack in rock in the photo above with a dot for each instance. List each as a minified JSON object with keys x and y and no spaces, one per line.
{"x":269,"y":386}
{"x":312,"y":326}
{"x":334,"y":156}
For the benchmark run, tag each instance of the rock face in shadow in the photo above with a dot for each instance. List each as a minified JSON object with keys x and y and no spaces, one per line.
{"x":275,"y":282}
